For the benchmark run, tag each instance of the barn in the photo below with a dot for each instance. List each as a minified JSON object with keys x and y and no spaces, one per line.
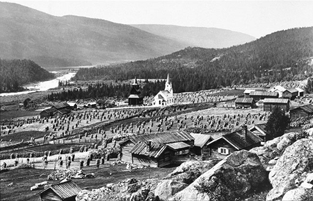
{"x":301,"y":112}
{"x":158,"y":149}
{"x":260,"y":95}
{"x":199,"y":144}
{"x":270,"y":103}
{"x":259,"y":130}
{"x":244,"y":103}
{"x":231,"y":142}
{"x":48,"y":113}
{"x":66,"y":191}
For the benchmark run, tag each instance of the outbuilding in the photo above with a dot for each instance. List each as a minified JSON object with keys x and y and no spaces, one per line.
{"x":270,"y":103}
{"x":66,"y":191}
{"x":301,"y":112}
{"x":244,"y":103}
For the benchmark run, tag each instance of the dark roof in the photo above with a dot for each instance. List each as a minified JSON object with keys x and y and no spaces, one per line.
{"x":307,"y":108}
{"x":292,"y":90}
{"x":155,"y":151}
{"x":163,"y":138}
{"x":178,"y":145}
{"x":65,"y":190}
{"x":238,"y":141}
{"x":201,"y":139}
{"x":244,"y":100}
{"x":64,"y":111}
{"x":61,"y":105}
{"x":276,"y":100}
{"x":263,"y":93}
{"x":48,"y":110}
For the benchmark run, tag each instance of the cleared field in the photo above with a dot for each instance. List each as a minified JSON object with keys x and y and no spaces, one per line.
{"x":25,"y":135}
{"x":24,"y":179}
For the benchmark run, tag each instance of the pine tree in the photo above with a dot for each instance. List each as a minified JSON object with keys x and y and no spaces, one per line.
{"x":276,"y":124}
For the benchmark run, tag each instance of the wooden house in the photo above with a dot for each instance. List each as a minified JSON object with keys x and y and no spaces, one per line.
{"x":231,"y":142}
{"x":247,"y":92}
{"x":135,"y":97}
{"x":300,"y":92}
{"x":302,"y":111}
{"x":48,"y":113}
{"x":270,"y":103}
{"x":158,"y":149}
{"x":259,"y":130}
{"x":200,"y":141}
{"x":66,"y":191}
{"x":293,"y":93}
{"x":244,"y":103}
{"x":260,"y":95}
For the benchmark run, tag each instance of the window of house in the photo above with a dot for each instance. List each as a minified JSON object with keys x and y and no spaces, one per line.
{"x":223,"y":150}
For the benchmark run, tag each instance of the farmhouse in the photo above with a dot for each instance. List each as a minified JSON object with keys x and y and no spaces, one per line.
{"x":302,"y":111}
{"x":66,"y":191}
{"x":259,"y":130}
{"x":231,"y":142}
{"x":244,"y":103}
{"x":292,"y":93}
{"x":58,"y":109}
{"x":200,"y":141}
{"x":157,"y":150}
{"x":260,"y":95}
{"x":135,"y":98}
{"x":165,"y":97}
{"x":48,"y":113}
{"x":270,"y":103}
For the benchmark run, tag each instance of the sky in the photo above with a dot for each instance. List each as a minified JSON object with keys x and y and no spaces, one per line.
{"x":256,"y":18}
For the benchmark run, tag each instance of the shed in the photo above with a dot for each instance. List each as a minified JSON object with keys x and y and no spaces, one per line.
{"x":66,"y":191}
{"x":48,"y":113}
{"x":270,"y":103}
{"x":300,"y":92}
{"x":244,"y":103}
{"x":301,"y":112}
{"x":259,"y":130}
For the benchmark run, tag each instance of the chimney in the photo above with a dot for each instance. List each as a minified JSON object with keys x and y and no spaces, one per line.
{"x":148,"y":146}
{"x":245,"y":131}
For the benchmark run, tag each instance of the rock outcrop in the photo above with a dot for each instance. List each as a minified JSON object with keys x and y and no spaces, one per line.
{"x":291,"y":169}
{"x":239,"y":174}
{"x":273,"y":149}
{"x":181,"y":177}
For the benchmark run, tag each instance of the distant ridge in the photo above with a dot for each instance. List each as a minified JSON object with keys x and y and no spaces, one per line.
{"x":198,"y":36}
{"x":49,"y":40}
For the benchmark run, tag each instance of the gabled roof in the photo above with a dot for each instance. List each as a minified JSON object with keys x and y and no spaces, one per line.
{"x":133,"y":96}
{"x":178,"y":145}
{"x":201,"y":139}
{"x":156,"y":149}
{"x":165,"y":94}
{"x":292,"y":90}
{"x":61,"y":105}
{"x":279,"y":88}
{"x":260,"y":128}
{"x":237,"y":140}
{"x":65,"y":190}
{"x":307,"y":108}
{"x":264,"y":93}
{"x":276,"y":100}
{"x":244,"y":100}
{"x":163,"y":138}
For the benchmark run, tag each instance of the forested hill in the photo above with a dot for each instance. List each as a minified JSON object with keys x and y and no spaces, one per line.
{"x":15,"y":73}
{"x":282,"y":55}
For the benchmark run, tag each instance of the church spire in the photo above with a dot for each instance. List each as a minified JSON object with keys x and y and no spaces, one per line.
{"x":135,"y":81}
{"x":168,"y":84}
{"x":168,"y":78}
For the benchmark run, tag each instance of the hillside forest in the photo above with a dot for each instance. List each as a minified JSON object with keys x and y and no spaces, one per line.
{"x":15,"y":73}
{"x":280,"y":56}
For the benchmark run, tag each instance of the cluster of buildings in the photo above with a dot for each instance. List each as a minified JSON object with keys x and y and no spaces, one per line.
{"x":162,"y":149}
{"x":277,"y":96}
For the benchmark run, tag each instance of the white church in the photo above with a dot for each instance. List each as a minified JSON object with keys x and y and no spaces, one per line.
{"x":165,"y":97}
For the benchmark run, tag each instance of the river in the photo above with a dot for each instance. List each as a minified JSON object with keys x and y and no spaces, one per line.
{"x":42,"y":86}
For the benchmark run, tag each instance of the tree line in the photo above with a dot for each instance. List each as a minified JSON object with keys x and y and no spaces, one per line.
{"x":100,"y":90}
{"x":281,"y":56}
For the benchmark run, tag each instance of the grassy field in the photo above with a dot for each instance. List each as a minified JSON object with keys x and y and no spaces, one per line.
{"x":16,"y":114}
{"x":24,"y":179}
{"x":25,"y":135}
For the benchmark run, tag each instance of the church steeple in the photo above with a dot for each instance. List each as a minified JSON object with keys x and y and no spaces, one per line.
{"x":135,"y":81}
{"x":168,"y":84}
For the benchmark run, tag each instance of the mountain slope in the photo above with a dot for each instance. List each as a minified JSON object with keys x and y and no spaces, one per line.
{"x":198,"y":36}
{"x":72,"y":40}
{"x":14,"y":73}
{"x":283,"y":55}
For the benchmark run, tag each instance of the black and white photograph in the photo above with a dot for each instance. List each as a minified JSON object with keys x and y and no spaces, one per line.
{"x":156,"y":100}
